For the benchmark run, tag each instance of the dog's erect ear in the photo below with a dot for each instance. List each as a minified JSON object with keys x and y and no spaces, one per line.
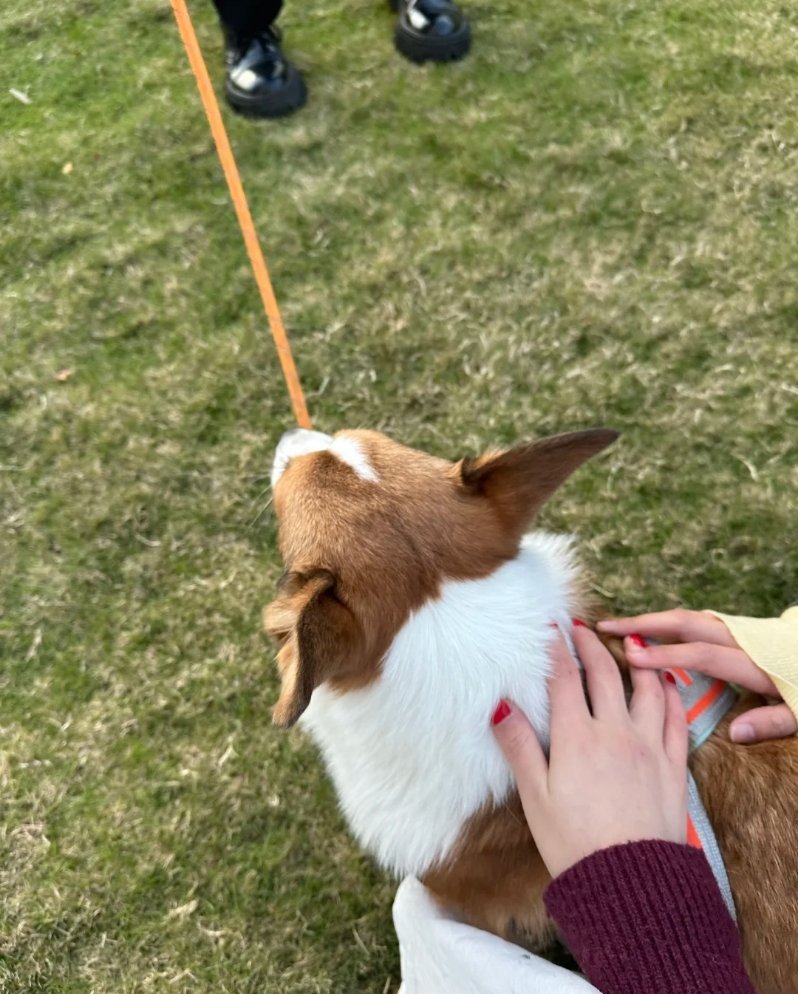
{"x":520,"y":480}
{"x":318,"y":635}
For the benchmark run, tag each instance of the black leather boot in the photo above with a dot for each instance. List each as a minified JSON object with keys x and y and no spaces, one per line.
{"x":260,"y":82}
{"x":431,"y":30}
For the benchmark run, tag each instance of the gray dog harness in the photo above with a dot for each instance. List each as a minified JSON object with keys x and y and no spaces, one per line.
{"x":706,"y":702}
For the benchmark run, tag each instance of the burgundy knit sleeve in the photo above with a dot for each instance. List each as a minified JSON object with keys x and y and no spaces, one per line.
{"x":648,"y":918}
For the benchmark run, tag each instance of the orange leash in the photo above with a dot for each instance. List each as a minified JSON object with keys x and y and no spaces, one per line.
{"x":211,"y":105}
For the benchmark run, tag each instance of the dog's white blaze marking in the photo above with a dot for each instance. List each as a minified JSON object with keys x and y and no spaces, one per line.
{"x":350,"y":451}
{"x":412,"y":755}
{"x":301,"y":442}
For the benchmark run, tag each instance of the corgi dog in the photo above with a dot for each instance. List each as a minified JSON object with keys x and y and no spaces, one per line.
{"x":414,"y":599}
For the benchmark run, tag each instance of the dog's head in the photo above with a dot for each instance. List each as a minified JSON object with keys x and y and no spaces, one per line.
{"x":369,"y":529}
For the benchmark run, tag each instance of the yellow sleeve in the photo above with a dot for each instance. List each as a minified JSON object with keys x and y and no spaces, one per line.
{"x":772,"y":643}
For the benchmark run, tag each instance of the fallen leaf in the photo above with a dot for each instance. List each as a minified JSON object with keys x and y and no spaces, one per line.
{"x":67,"y":168}
{"x":63,"y":374}
{"x":184,"y":910}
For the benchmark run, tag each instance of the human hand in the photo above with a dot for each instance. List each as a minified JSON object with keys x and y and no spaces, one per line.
{"x":616,"y":775}
{"x":697,"y":640}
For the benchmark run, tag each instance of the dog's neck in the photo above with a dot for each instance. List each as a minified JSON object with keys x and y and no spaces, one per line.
{"x":412,"y":755}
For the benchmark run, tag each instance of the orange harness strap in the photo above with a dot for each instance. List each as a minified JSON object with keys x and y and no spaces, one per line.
{"x":225,"y":152}
{"x":706,"y":701}
{"x":693,"y":838}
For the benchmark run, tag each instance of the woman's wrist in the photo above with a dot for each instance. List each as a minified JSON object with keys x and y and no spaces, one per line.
{"x":648,"y":916}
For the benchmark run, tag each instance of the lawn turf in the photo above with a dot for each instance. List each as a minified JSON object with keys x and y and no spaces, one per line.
{"x":593,"y":219}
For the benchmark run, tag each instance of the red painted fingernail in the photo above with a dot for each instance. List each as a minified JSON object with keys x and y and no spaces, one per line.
{"x":669,"y":677}
{"x":638,"y":640}
{"x":501,"y":712}
{"x":578,"y":623}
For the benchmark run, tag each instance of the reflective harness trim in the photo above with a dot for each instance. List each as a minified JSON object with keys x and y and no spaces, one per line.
{"x":706,"y":702}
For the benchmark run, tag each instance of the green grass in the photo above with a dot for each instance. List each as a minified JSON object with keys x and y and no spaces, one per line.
{"x":591,"y":220}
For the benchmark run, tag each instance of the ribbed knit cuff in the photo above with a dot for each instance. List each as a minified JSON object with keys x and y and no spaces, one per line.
{"x":648,"y":918}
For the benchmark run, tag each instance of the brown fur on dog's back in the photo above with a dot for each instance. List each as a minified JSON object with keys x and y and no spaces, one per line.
{"x":751,"y":797}
{"x":497,"y":878}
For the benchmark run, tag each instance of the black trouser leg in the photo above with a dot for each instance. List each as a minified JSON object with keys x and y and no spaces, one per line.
{"x":243,"y":19}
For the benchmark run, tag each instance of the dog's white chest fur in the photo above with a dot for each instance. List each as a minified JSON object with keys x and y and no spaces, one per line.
{"x":412,"y":755}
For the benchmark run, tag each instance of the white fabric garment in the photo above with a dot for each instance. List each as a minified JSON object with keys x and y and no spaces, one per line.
{"x":441,"y":955}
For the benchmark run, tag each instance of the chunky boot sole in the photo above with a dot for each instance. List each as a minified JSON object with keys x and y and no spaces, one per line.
{"x":271,"y":103}
{"x":426,"y":48}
